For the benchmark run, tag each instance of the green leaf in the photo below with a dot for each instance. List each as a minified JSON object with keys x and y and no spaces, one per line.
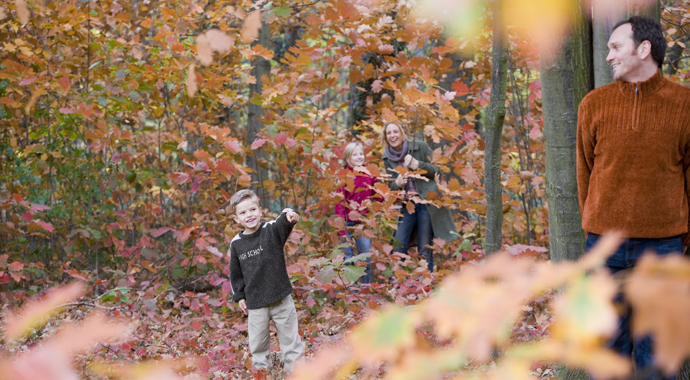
{"x":95,"y":233}
{"x":135,"y":97}
{"x":361,"y":257}
{"x":282,"y":11}
{"x":353,"y":273}
{"x":326,"y":275}
{"x":131,"y":177}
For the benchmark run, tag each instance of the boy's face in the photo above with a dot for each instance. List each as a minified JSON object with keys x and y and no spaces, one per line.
{"x":248,"y":215}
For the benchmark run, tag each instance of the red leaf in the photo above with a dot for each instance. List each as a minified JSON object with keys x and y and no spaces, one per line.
{"x":64,"y":82}
{"x":460,"y":88}
{"x":534,"y":133}
{"x":258,"y":144}
{"x":46,"y":226}
{"x":27,"y":81}
{"x":35,"y":207}
{"x":233,"y":145}
{"x":15,"y":266}
{"x":182,"y":235}
{"x":311,"y":302}
{"x":67,"y":111}
{"x":160,"y":231}
{"x":181,"y":178}
{"x":196,"y":183}
{"x":18,"y":198}
{"x":27,"y":216}
{"x":195,"y":325}
{"x":282,"y":138}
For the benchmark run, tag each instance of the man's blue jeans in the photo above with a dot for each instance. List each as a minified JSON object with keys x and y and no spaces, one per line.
{"x":422,"y":221}
{"x":639,"y":349}
{"x":363,"y":246}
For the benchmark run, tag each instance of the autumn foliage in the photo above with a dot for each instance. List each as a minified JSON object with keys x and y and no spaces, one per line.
{"x":125,"y":131}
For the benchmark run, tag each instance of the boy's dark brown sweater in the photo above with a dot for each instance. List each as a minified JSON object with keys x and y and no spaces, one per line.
{"x":633,"y":159}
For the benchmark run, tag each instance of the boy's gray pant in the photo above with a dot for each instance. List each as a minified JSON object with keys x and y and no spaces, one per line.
{"x":284,"y":317}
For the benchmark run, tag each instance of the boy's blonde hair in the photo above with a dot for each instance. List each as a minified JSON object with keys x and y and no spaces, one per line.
{"x":349,"y":149}
{"x":242,"y":196}
{"x":384,"y":140}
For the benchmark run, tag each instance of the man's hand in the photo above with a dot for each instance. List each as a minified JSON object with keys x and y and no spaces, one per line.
{"x":292,"y":217}
{"x":243,"y":306}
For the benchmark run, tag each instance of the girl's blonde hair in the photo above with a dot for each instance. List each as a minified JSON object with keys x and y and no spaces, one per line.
{"x":349,"y":149}
{"x":384,"y":140}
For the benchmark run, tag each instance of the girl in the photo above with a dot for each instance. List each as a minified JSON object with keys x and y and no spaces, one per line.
{"x":353,"y":197}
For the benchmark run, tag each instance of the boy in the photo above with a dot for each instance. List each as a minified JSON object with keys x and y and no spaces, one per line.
{"x":260,"y":281}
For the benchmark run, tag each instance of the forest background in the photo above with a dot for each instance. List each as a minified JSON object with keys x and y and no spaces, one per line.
{"x":126,"y":126}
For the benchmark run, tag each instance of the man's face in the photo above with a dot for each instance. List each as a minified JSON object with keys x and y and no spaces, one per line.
{"x":248,"y":215}
{"x":623,"y":55}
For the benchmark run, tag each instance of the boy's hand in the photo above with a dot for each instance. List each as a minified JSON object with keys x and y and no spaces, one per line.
{"x":292,"y":217}
{"x":243,"y":306}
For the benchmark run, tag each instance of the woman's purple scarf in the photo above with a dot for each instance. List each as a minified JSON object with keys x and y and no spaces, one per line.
{"x":397,"y":155}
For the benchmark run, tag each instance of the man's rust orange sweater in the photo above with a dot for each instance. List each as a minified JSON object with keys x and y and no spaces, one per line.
{"x":633,"y":159}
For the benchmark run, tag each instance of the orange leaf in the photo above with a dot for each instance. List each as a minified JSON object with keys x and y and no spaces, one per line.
{"x":22,"y":11}
{"x":262,"y":52}
{"x":192,"y":86}
{"x":220,"y":41}
{"x":250,"y":28}
{"x":64,"y":82}
{"x":204,"y":53}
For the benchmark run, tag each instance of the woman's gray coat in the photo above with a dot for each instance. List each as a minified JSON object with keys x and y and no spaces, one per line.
{"x":441,"y":219}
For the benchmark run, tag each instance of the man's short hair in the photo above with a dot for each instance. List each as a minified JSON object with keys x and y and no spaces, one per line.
{"x":242,"y":196}
{"x":647,"y":29}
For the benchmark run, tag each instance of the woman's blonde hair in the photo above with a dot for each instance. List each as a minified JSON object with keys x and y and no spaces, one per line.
{"x":349,"y":149}
{"x":384,"y":140}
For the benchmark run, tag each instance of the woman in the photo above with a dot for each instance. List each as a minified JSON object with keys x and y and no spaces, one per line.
{"x":428,"y":220}
{"x":353,"y":197}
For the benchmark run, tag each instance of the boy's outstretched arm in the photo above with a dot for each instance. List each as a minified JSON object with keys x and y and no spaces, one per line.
{"x":292,"y":216}
{"x":282,"y":227}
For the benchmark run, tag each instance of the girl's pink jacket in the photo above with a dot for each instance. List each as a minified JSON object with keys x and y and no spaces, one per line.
{"x":352,"y":200}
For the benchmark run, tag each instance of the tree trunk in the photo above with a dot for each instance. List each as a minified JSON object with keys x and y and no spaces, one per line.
{"x":568,"y":68}
{"x":606,"y":14}
{"x":256,"y":161}
{"x":495,"y":116}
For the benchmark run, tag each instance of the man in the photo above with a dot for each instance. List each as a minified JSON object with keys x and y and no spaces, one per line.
{"x":633,"y":161}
